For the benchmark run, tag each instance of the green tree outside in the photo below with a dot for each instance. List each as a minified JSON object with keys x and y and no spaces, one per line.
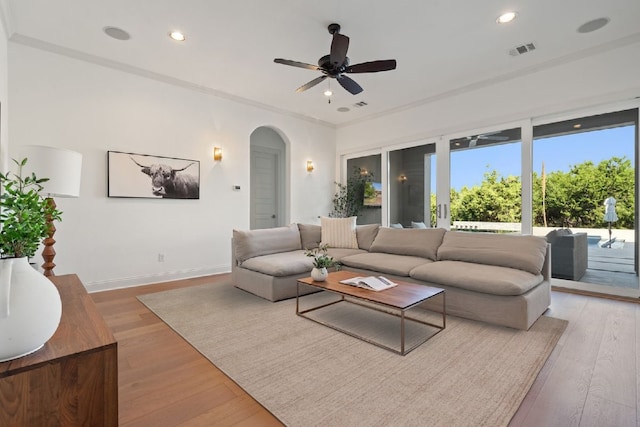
{"x":573,"y":199}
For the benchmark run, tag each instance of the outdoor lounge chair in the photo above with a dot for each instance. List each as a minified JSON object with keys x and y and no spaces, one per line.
{"x":569,"y":254}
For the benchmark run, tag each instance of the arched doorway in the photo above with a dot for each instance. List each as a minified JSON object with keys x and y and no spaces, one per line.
{"x":268,"y":174}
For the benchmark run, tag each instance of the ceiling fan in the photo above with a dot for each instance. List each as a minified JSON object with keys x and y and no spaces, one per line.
{"x":336,"y":64}
{"x":473,"y":140}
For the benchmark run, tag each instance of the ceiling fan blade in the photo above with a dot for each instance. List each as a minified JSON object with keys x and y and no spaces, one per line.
{"x":493,"y":137}
{"x":349,"y":84}
{"x":373,"y":66}
{"x":311,"y":84}
{"x":296,"y":64}
{"x":339,"y":47}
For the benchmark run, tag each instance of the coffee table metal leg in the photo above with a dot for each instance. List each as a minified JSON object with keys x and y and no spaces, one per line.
{"x":402,"y":332}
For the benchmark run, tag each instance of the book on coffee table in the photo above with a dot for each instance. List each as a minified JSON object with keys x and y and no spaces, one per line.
{"x":373,"y":283}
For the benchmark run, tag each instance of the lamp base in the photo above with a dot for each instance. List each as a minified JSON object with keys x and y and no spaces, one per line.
{"x":48,"y":253}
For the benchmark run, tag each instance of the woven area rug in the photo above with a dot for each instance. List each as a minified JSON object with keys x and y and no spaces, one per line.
{"x":470,"y":374}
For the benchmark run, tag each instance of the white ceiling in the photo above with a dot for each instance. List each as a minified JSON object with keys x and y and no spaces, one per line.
{"x":442,"y":46}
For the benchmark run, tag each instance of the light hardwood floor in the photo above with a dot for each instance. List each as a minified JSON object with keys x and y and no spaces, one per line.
{"x":590,"y":379}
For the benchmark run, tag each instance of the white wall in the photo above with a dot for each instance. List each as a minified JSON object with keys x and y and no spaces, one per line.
{"x":109,"y":242}
{"x":4,"y":104}
{"x":603,"y":78}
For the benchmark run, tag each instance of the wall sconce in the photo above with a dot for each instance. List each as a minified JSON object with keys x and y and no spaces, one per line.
{"x":402,"y":178}
{"x":217,"y":154}
{"x":309,"y":165}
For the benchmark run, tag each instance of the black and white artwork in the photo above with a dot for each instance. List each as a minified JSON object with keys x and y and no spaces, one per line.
{"x":154,"y":177}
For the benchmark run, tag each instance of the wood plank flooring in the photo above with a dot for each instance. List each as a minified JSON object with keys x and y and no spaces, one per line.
{"x":590,"y":379}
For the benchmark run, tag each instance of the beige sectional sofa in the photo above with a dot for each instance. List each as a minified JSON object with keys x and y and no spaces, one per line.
{"x":495,"y":278}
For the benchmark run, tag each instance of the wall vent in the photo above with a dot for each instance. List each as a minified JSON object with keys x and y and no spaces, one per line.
{"x":360,"y":104}
{"x":519,"y":50}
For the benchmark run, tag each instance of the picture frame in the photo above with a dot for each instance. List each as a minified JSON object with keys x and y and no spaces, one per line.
{"x":373,"y":194}
{"x":133,"y":175}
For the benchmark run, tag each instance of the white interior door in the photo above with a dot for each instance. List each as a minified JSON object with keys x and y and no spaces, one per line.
{"x":264,"y":188}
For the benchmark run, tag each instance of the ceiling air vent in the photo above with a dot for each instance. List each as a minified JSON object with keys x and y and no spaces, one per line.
{"x":519,"y":50}
{"x":360,"y":104}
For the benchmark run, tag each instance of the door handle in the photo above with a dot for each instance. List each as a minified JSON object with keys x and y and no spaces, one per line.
{"x":445,"y":211}
{"x":273,"y":216}
{"x":439,"y":210}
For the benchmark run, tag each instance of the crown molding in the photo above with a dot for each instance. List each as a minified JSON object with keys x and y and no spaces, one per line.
{"x":75,"y":54}
{"x":566,"y":59}
{"x":108,"y":63}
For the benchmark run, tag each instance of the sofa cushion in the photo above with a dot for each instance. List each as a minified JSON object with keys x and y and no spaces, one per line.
{"x":310,"y":235}
{"x":514,"y":251}
{"x":400,"y":265}
{"x":339,"y":232}
{"x":366,"y":234}
{"x":339,"y":253}
{"x":281,"y":264}
{"x":487,"y":279}
{"x":252,"y":243}
{"x":416,"y":242}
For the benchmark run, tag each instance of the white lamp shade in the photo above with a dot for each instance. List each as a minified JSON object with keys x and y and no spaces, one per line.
{"x":63,"y":168}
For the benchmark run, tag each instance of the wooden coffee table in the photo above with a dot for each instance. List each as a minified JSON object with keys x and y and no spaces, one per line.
{"x":394,"y":301}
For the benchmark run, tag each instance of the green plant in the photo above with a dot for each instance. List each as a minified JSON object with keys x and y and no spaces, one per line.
{"x":321,"y":258}
{"x":24,"y":213}
{"x":349,"y":199}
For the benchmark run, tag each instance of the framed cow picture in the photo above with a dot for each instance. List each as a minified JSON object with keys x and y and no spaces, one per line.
{"x":153,"y":177}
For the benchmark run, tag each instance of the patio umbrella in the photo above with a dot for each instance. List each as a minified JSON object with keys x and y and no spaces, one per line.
{"x":610,"y":213}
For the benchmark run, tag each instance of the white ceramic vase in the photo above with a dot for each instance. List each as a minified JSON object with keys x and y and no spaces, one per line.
{"x":319,"y":274}
{"x":30,"y":309}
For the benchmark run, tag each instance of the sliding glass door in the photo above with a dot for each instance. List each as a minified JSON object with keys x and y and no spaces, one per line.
{"x":486,"y":184}
{"x":412,"y":186}
{"x":532,"y":177}
{"x":585,"y":184}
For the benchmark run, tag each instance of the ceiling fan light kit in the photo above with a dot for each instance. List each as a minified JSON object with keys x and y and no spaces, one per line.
{"x":336,"y":64}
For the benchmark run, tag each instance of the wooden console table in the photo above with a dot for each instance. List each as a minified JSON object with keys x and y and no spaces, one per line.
{"x":73,"y":379}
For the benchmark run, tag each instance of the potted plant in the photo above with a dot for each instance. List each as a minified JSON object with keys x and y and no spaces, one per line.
{"x":24,"y":215}
{"x":321,"y":261}
{"x":349,"y":199}
{"x":30,"y":306}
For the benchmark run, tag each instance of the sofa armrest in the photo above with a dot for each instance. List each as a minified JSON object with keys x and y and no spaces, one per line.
{"x":546,"y":266}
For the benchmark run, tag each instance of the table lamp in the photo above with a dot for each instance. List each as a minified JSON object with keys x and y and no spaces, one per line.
{"x":63,"y":168}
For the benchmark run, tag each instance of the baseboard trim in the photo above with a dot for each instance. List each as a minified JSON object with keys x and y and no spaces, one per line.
{"x":595,"y":294}
{"x":147,"y":279}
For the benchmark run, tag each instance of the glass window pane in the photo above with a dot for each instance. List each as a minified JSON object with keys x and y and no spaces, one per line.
{"x":367,"y":170}
{"x":412,"y":186}
{"x":486,"y":187}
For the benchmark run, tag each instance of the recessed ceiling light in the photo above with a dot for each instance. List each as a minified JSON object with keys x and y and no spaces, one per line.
{"x":116,"y":33}
{"x":506,"y":17}
{"x":593,"y":25}
{"x":343,"y":109}
{"x":177,"y":36}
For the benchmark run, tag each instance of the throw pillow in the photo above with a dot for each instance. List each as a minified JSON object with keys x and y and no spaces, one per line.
{"x":366,"y":234}
{"x":309,"y":235}
{"x":339,"y":232}
{"x":396,"y":225}
{"x":418,"y":224}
